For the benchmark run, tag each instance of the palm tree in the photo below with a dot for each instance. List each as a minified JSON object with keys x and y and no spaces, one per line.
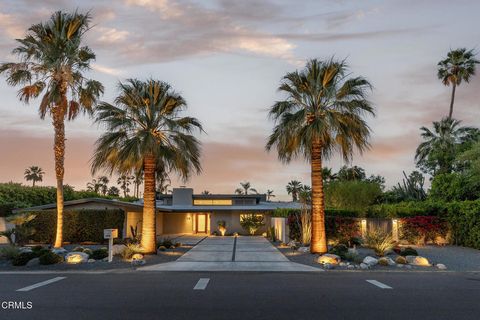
{"x":145,"y":130}
{"x":205,"y":192}
{"x":328,"y":175}
{"x":438,"y":151}
{"x":103,"y":181}
{"x":322,"y":113}
{"x":124,"y":182}
{"x":52,"y":62}
{"x":458,"y":66}
{"x":34,"y":174}
{"x":270,"y":195}
{"x":354,"y":173}
{"x":246,"y":187}
{"x":163,"y":181}
{"x":94,"y":186}
{"x":293,"y":188}
{"x":137,"y":181}
{"x":113,"y":191}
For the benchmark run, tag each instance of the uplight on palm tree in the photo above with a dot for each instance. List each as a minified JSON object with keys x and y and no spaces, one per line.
{"x":52,"y":63}
{"x":458,"y":66}
{"x":34,"y":174}
{"x":145,"y":129}
{"x":322,"y":113}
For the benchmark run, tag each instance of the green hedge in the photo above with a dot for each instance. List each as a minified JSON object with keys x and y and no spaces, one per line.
{"x":284,"y":213}
{"x":406,"y":209}
{"x":78,"y":225}
{"x":464,"y":220}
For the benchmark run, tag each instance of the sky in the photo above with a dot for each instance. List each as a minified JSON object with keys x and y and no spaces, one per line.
{"x":226,"y":58}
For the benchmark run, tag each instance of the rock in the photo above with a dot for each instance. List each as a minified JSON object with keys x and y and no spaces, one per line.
{"x":408,"y":266}
{"x":328,"y":266}
{"x":371,"y":261}
{"x":118,"y":249}
{"x":25,"y":250}
{"x":441,"y":266}
{"x":162,"y":248}
{"x":401,"y":260}
{"x":343,"y":264}
{"x":33,"y":263}
{"x":292,"y":244}
{"x":386,"y":261}
{"x":400,"y":265}
{"x":332,"y":259}
{"x":364,"y":266}
{"x":418,"y":261}
{"x":105,"y":259}
{"x":76,"y":257}
{"x":304,"y":249}
{"x":350,"y":267}
{"x":137,"y":256}
{"x":140,"y":262}
{"x":59,"y":251}
{"x":91,"y":260}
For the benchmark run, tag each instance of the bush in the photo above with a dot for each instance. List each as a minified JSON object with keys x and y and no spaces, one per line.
{"x":39,"y":251}
{"x":340,"y":250}
{"x":251,"y":222}
{"x":342,"y":230}
{"x":453,"y":187}
{"x":49,"y":258}
{"x":99,"y":254}
{"x":9,"y":252}
{"x":357,"y":195}
{"x":422,"y":229}
{"x":130,"y":250}
{"x":167,"y":243}
{"x":88,"y":251}
{"x":379,"y":241}
{"x":78,"y":225}
{"x":407,"y":209}
{"x":464,"y":221}
{"x":408,"y":251}
{"x":22,"y":258}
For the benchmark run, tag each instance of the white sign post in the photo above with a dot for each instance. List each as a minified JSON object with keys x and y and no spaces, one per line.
{"x":110,"y":234}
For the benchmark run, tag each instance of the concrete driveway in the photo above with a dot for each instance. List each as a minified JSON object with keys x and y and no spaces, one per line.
{"x":232,"y":254}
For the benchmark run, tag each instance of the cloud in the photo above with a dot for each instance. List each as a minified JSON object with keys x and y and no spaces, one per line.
{"x":111,"y":35}
{"x":106,"y":70}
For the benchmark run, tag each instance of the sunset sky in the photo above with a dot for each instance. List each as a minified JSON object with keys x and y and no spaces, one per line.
{"x":227,"y":58}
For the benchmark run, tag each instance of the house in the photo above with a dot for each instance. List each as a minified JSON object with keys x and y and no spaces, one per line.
{"x":184,"y":212}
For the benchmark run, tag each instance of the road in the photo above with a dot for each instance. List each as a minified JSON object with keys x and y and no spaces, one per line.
{"x":248,"y":295}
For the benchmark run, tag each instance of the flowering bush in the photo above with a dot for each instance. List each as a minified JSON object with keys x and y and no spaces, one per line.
{"x":423,"y":229}
{"x":342,"y":230}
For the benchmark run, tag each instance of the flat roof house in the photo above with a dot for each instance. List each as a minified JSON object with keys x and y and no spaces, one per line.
{"x":184,"y":212}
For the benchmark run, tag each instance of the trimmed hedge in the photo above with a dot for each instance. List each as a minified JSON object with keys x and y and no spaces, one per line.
{"x":78,"y":225}
{"x":284,"y":213}
{"x":406,"y":209}
{"x":464,"y":220}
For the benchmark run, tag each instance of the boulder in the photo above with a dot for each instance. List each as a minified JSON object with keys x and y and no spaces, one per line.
{"x":418,"y":261}
{"x":33,"y":263}
{"x":408,"y":266}
{"x":329,"y":258}
{"x":400,"y":265}
{"x":328,"y":266}
{"x":386,"y":261}
{"x":137,"y":256}
{"x":76,"y":257}
{"x":441,"y":266}
{"x":59,"y":251}
{"x":118,"y":249}
{"x":140,"y":262}
{"x":304,"y":249}
{"x":364,"y":266}
{"x":91,"y":260}
{"x":25,"y":250}
{"x":343,"y":264}
{"x":350,"y":267}
{"x":371,"y":261}
{"x":401,"y":260}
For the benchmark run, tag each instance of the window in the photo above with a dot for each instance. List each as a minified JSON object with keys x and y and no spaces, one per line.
{"x":212,"y":202}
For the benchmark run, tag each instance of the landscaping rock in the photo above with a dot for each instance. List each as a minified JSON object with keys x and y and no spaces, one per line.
{"x":343,"y":264}
{"x":118,"y":249}
{"x":25,"y":250}
{"x":364,"y":266}
{"x":91,"y":260}
{"x":441,"y":266}
{"x":400,"y":265}
{"x":418,"y":261}
{"x":59,"y":251}
{"x":350,"y":267}
{"x":140,"y":262}
{"x":33,"y":263}
{"x":328,"y":266}
{"x":329,"y":258}
{"x":304,"y":249}
{"x":408,"y":266}
{"x":76,"y":257}
{"x":386,"y":261}
{"x":137,"y":256}
{"x":371,"y":261}
{"x":401,"y":260}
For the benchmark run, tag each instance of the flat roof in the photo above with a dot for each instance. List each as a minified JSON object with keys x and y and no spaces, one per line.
{"x":82,"y":201}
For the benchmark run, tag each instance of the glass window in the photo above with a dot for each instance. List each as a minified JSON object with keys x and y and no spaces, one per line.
{"x":212,"y":202}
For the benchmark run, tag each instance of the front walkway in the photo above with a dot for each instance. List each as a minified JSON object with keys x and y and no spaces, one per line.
{"x":232,"y":254}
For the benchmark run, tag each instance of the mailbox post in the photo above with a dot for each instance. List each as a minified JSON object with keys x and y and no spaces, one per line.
{"x":110,"y":234}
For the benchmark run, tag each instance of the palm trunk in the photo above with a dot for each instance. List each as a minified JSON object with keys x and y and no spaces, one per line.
{"x":452,"y":100}
{"x":33,"y":184}
{"x":319,"y":238}
{"x":148,"y":225}
{"x":59,"y":150}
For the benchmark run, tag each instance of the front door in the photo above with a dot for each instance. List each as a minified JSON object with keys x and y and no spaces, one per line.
{"x":201,"y":223}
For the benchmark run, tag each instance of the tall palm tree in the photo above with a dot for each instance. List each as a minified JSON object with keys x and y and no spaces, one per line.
{"x":163,"y":181}
{"x":103,"y":180}
{"x":52,"y":62}
{"x":354,"y":173}
{"x":328,"y":175}
{"x":145,"y":129}
{"x":137,"y":181}
{"x":436,"y":154}
{"x":293,"y":188}
{"x":94,"y":186}
{"x":34,"y":174}
{"x":270,"y":195}
{"x":322,"y":113}
{"x":246,"y":187}
{"x":458,"y":66}
{"x":124,"y":181}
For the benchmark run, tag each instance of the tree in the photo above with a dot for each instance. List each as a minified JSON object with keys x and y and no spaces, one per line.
{"x":458,"y":66}
{"x":34,"y":174}
{"x":322,"y":113}
{"x":163,"y":181}
{"x":246,"y":187}
{"x":94,"y":186}
{"x":293,"y":188}
{"x":270,"y":195}
{"x":354,"y":173}
{"x":52,"y":62}
{"x":436,"y":154}
{"x":103,"y":181}
{"x":145,"y":130}
{"x":124,"y":182}
{"x":113,"y":191}
{"x":137,"y":181}
{"x":411,"y":189}
{"x":328,"y":175}
{"x":205,"y":192}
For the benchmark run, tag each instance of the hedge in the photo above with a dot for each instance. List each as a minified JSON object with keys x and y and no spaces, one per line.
{"x":464,"y":220}
{"x":78,"y":225}
{"x":284,"y":213}
{"x":406,"y":209}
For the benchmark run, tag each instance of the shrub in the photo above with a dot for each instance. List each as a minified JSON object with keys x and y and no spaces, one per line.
{"x":49,"y":258}
{"x":357,"y":195}
{"x":464,"y":221}
{"x":99,"y":254}
{"x":294,"y":232}
{"x":167,"y":243}
{"x":408,"y":251}
{"x":407,"y":209}
{"x":343,"y":230}
{"x":251,"y":222}
{"x":39,"y":251}
{"x":9,"y":252}
{"x":353,"y":256}
{"x":22,"y":258}
{"x":162,"y":248}
{"x":379,"y":241}
{"x":130,"y":250}
{"x":340,"y":250}
{"x":422,"y":229}
{"x":401,"y":260}
{"x":78,"y":249}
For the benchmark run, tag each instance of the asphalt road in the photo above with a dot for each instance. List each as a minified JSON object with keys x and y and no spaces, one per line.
{"x":229,"y":295}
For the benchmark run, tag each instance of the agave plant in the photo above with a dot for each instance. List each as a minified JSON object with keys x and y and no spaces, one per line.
{"x":380,"y":241}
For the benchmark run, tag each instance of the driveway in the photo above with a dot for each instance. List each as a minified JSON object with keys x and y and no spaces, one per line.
{"x":232,"y":254}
